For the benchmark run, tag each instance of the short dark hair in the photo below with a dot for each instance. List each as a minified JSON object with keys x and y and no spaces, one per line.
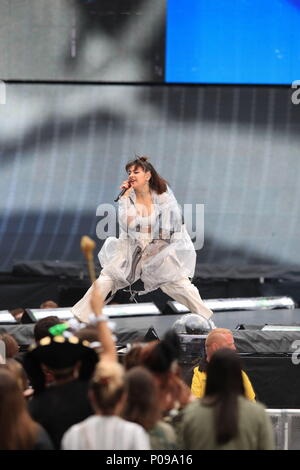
{"x":41,"y":328}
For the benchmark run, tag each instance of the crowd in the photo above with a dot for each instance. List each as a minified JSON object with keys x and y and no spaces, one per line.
{"x":69,"y":391}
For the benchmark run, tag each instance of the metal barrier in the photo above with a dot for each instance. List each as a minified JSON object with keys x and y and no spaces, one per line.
{"x":286,"y":425}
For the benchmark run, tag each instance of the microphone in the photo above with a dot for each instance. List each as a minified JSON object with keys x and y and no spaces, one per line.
{"x":123,"y":191}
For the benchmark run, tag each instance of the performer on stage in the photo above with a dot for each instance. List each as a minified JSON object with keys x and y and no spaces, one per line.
{"x":153,"y":244}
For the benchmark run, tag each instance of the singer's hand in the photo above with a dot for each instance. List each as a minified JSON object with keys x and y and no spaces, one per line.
{"x":126,"y":184}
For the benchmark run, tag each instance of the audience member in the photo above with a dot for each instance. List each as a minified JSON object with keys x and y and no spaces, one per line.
{"x":160,"y":357}
{"x":106,"y":430}
{"x":41,"y":328}
{"x":224,"y":418}
{"x":49,"y":304}
{"x":141,"y":408}
{"x":218,"y":338}
{"x":17,"y":370}
{"x":133,"y":356}
{"x":17,"y":313}
{"x":65,"y":401}
{"x":11,"y":345}
{"x":18,"y":430}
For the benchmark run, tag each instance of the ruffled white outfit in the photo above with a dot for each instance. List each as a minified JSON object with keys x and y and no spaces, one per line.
{"x":157,"y":249}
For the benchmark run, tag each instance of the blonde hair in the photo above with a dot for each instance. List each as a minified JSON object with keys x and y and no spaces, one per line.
{"x":108,"y":385}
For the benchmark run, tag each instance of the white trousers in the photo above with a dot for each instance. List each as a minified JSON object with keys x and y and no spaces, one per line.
{"x":183,"y":291}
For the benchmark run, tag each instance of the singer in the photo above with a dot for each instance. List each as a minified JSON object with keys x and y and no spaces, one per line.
{"x":153,"y":245}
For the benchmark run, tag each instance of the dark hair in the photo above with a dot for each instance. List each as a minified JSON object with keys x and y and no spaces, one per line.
{"x":224,"y":385}
{"x":159,"y":355}
{"x":16,"y":312}
{"x":156,"y":182}
{"x":18,"y":430}
{"x":63,"y":374}
{"x":133,"y":357}
{"x":142,"y":400}
{"x":41,"y":328}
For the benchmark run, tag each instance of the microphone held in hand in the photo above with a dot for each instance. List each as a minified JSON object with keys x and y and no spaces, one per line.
{"x":122,"y":192}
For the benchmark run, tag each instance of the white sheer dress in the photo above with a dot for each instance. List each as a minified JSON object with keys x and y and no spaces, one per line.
{"x":156,"y":249}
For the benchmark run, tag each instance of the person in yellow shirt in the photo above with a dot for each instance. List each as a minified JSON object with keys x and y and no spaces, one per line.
{"x":219,"y":338}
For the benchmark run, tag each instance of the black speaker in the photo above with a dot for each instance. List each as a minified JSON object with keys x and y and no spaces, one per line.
{"x":151,"y":335}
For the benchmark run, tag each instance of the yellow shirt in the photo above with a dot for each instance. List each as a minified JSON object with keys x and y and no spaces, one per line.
{"x":199,"y":383}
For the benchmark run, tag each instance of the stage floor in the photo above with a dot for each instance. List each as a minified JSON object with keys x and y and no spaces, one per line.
{"x":135,"y":327}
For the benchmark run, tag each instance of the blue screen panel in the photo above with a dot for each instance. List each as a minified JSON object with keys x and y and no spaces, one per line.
{"x":233,"y":41}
